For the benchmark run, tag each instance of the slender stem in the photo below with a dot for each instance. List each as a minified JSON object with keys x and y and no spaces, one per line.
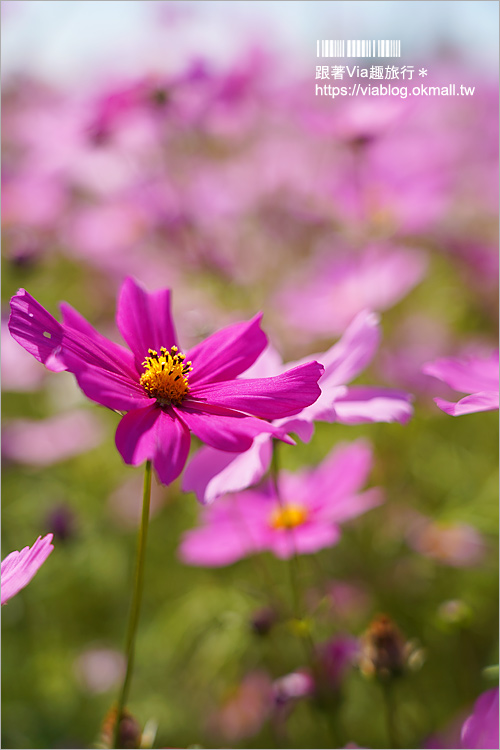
{"x":293,"y":562}
{"x":136,"y":601}
{"x":293,"y":566}
{"x":390,"y":715}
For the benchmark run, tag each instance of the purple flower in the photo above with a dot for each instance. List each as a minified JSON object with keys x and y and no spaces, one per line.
{"x":18,"y":568}
{"x":304,"y":519}
{"x":336,"y":657}
{"x":480,"y":730}
{"x":166,"y":394}
{"x":212,"y":473}
{"x":475,"y":375}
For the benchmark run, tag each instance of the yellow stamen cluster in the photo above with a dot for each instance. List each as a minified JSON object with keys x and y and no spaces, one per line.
{"x":288,"y":516}
{"x":166,"y":374}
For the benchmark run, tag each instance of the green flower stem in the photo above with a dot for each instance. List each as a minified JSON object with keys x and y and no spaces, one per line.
{"x":136,"y":602}
{"x":390,"y":714}
{"x":301,"y":626}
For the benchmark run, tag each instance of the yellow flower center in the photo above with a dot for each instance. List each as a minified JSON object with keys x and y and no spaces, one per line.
{"x":288,"y":516}
{"x":166,"y":374}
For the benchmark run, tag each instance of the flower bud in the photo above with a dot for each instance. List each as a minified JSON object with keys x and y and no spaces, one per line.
{"x":129,"y":736}
{"x":383,"y":649}
{"x":263,"y":620}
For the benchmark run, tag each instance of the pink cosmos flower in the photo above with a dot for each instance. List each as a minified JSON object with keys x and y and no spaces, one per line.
{"x":246,"y":709}
{"x":44,"y":442}
{"x":480,"y":730}
{"x":304,"y":519}
{"x":475,"y":375}
{"x":337,"y":289}
{"x":18,"y":568}
{"x":457,"y":544}
{"x":212,"y":473}
{"x":166,"y":394}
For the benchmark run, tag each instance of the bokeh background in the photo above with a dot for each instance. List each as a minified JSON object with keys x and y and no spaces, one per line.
{"x":182,"y":143}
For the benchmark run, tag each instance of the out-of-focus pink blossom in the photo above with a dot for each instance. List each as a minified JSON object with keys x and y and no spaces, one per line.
{"x":336,"y":657}
{"x":325,"y":300}
{"x":45,"y":442}
{"x":99,"y":669}
{"x":455,"y":544}
{"x":245,"y":711}
{"x":20,"y":372}
{"x":32,"y":200}
{"x":125,"y":503}
{"x":304,"y":519}
{"x":292,"y":686}
{"x":480,"y":730}
{"x":475,"y":375}
{"x":18,"y":568}
{"x":212,"y":473}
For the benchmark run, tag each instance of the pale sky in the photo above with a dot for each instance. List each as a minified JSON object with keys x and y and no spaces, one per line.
{"x":73,"y":41}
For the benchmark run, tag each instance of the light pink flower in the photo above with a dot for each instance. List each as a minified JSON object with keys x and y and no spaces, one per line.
{"x":327,"y":299}
{"x":212,"y":473}
{"x":304,"y":519}
{"x":480,"y":730}
{"x":47,"y":441}
{"x":99,"y":669}
{"x":20,"y":372}
{"x":475,"y":375}
{"x":18,"y":568}
{"x":455,"y":544}
{"x":245,"y":711}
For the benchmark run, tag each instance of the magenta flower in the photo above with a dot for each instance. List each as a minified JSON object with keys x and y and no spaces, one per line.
{"x":18,"y":568}
{"x":480,"y":730}
{"x":475,"y":375}
{"x":304,"y":519}
{"x":165,"y":393}
{"x":211,"y":473}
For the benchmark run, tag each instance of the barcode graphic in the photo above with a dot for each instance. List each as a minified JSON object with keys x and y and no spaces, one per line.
{"x":358,"y":48}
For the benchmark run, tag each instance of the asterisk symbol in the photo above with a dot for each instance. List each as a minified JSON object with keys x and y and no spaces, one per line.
{"x":422,"y":72}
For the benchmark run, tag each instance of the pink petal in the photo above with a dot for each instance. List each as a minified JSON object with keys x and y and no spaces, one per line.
{"x":303,"y":540}
{"x":223,"y":429}
{"x":211,"y":473}
{"x":352,"y":353}
{"x":53,"y":344}
{"x":144,"y":319}
{"x":348,"y":507}
{"x":18,"y":568}
{"x":487,"y":401}
{"x":269,"y":398}
{"x":110,"y":389}
{"x":73,"y":319}
{"x":468,"y":375}
{"x":215,"y":546}
{"x":35,"y":329}
{"x":227,"y":353}
{"x":372,"y":404}
{"x":344,"y":471}
{"x":156,"y":435}
{"x":268,"y":364}
{"x":299,"y":425}
{"x":47,"y":441}
{"x":480,"y":730}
